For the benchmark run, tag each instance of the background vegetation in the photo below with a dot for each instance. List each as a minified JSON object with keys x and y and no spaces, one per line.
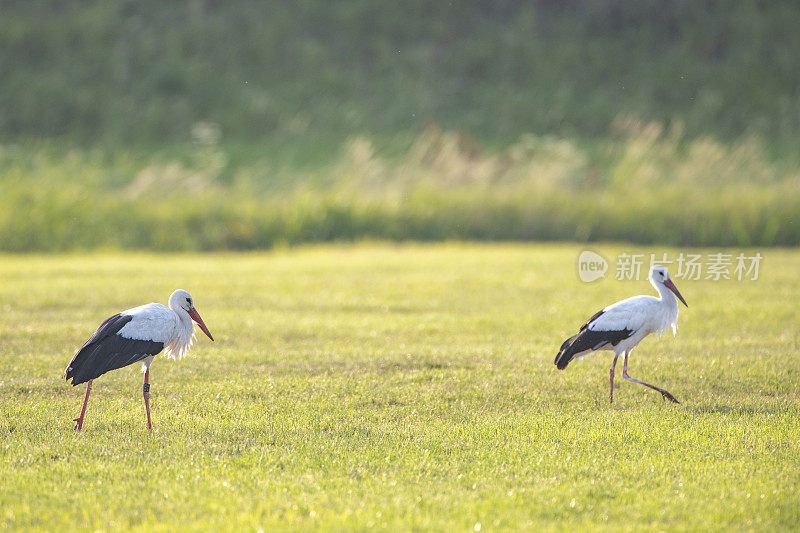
{"x":237,"y":125}
{"x":644,"y":189}
{"x":147,"y":71}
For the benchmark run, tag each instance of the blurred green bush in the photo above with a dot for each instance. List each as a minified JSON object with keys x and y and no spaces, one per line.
{"x":206,"y":125}
{"x":147,"y":72}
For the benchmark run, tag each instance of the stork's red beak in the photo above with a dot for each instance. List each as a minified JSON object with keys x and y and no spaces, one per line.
{"x":196,"y":317}
{"x":671,"y":286}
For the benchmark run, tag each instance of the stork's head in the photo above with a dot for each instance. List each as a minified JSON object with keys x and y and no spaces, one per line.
{"x":182,"y":300}
{"x":659,"y":275}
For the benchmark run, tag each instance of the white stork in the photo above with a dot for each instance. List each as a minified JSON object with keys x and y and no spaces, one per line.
{"x":135,"y":335}
{"x":621,"y":326}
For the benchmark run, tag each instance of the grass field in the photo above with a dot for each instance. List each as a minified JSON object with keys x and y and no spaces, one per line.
{"x":398,"y":387}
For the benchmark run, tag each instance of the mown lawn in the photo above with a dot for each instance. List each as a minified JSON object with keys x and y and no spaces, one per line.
{"x":398,"y":387}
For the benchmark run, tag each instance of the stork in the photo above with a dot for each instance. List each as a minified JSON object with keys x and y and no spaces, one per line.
{"x":621,"y":326}
{"x":137,"y":334}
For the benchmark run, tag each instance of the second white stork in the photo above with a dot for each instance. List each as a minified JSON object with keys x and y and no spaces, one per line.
{"x":621,"y":326}
{"x":137,"y":334}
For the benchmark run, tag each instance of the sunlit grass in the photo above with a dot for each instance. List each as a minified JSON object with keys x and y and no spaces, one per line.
{"x":397,"y":387}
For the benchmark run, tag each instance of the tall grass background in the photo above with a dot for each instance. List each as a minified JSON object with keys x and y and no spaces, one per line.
{"x":241,"y":125}
{"x":644,"y":184}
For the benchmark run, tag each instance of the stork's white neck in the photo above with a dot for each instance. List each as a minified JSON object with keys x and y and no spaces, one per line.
{"x":183,"y":336}
{"x":669,"y":315}
{"x":666,"y":295}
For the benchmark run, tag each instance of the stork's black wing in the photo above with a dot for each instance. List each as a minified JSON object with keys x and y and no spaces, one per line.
{"x":587,"y":340}
{"x":107,"y":350}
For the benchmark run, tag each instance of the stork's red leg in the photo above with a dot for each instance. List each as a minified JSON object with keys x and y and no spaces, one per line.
{"x":611,"y":373}
{"x":79,"y":421}
{"x":146,"y":395}
{"x":664,"y":393}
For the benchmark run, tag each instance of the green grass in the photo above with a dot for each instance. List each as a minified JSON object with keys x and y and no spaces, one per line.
{"x":401,"y":388}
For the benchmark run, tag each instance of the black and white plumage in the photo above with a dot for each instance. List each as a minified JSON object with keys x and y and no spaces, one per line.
{"x":135,"y":335}
{"x":621,"y":326}
{"x":110,"y":348}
